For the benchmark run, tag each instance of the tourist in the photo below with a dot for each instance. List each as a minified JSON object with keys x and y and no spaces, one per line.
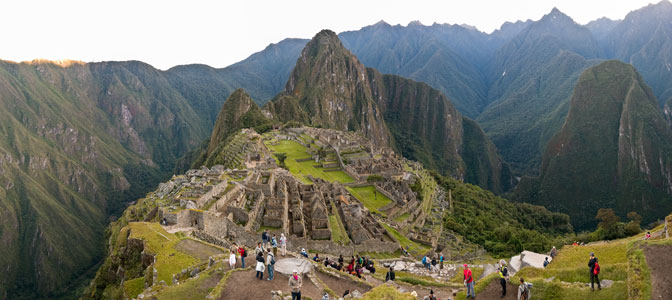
{"x":316,"y":258}
{"x":283,"y":244}
{"x":523,"y":290}
{"x":358,"y":271}
{"x":594,"y":272}
{"x":390,"y":275}
{"x":469,"y":281}
{"x":234,"y":247}
{"x":554,"y":252}
{"x":431,"y":295}
{"x":441,"y":261}
{"x":295,"y":283}
{"x":425,"y":262}
{"x":259,"y":250}
{"x":304,"y":253}
{"x":503,"y":276}
{"x":340,"y":259}
{"x":325,"y":296}
{"x":232,"y":260}
{"x":433,"y":262}
{"x":243,"y":255}
{"x":274,"y":244}
{"x":546,"y":262}
{"x":264,"y":238}
{"x":260,"y":266}
{"x":370,"y":267}
{"x":270,"y":263}
{"x":648,"y":235}
{"x":350,"y":267}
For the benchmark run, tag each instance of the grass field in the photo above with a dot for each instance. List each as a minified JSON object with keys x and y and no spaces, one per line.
{"x":169,"y":260}
{"x":414,"y":248}
{"x":372,"y":199}
{"x":296,"y":151}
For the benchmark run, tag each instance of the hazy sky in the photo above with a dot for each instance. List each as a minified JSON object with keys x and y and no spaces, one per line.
{"x":219,"y":33}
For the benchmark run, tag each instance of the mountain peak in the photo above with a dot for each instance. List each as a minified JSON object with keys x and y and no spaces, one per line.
{"x":556,"y":15}
{"x":414,"y":23}
{"x":381,"y":23}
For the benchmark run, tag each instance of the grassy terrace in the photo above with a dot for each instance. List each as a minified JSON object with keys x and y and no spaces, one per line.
{"x":415,"y":249}
{"x":372,"y":199}
{"x":296,"y":151}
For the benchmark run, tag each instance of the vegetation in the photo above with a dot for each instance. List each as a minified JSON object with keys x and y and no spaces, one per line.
{"x":370,"y":197}
{"x":583,"y":168}
{"x":415,"y":249}
{"x":386,"y":292}
{"x":503,"y":228}
{"x":294,"y":151}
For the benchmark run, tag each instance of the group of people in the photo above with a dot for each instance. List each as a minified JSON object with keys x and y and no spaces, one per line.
{"x":274,"y":242}
{"x":429,"y":263}
{"x":355,"y":267}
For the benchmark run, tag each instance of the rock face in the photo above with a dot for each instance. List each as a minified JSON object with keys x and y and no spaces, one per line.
{"x":613,"y":151}
{"x":330,"y":88}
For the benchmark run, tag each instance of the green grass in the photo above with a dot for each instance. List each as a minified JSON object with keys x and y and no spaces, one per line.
{"x":639,"y":275}
{"x":190,"y":289}
{"x":295,"y":151}
{"x":338,"y":233}
{"x":372,"y":199}
{"x":169,"y":260}
{"x":134,"y":287}
{"x":414,"y":248}
{"x":402,"y":217}
{"x":386,"y":292}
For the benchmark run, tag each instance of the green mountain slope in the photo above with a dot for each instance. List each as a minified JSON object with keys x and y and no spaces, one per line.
{"x":531,"y":82}
{"x":78,"y":141}
{"x":329,"y":87}
{"x":614,"y":150}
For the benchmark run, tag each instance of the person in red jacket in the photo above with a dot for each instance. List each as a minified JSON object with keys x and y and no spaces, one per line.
{"x":469,"y":282}
{"x":594,"y":272}
{"x":242,"y":253}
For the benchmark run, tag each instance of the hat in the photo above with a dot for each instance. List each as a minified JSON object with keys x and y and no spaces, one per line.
{"x":465,"y":265}
{"x":295,"y":271}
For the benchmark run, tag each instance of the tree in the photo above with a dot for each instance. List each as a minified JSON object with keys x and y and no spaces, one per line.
{"x":633,"y":227}
{"x":281,"y":158}
{"x":607,"y":217}
{"x":374,"y":178}
{"x":633,"y":216}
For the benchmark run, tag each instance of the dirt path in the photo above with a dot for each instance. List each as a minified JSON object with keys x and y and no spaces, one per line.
{"x":243,"y":285}
{"x":494,"y":291}
{"x":197,"y":249}
{"x":339,"y":285}
{"x":659,"y":260}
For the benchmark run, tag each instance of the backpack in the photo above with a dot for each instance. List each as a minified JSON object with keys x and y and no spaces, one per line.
{"x":597,"y":269}
{"x":526,"y":292}
{"x":273,"y":260}
{"x":424,"y":260}
{"x":244,"y":253}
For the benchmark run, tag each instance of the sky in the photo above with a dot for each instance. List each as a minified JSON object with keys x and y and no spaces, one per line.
{"x":218,"y":33}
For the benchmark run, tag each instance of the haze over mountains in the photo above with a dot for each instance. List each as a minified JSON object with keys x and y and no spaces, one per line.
{"x":79,"y":141}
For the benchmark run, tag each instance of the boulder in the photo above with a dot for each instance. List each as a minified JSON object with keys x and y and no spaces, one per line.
{"x":605,"y":283}
{"x":287,"y":265}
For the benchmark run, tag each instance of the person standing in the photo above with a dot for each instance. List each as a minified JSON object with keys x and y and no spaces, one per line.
{"x":546,"y":262}
{"x":554,"y":252}
{"x":594,"y":272}
{"x":503,"y":276}
{"x":274,"y":245}
{"x":441,"y":261}
{"x":390,"y":275}
{"x":469,"y":282}
{"x":232,"y":260}
{"x":243,"y":255}
{"x":283,"y":244}
{"x":523,"y":290}
{"x":270,"y":263}
{"x":259,"y":249}
{"x":295,"y":283}
{"x":264,"y":238}
{"x":260,"y":266}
